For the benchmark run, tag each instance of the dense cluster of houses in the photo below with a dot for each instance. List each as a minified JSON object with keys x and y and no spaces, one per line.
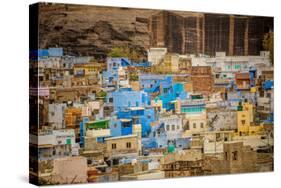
{"x":173,"y":115}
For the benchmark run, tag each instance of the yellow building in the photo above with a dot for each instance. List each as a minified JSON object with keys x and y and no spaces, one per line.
{"x":245,"y":121}
{"x":87,"y":69}
{"x":121,"y":146}
{"x":196,"y":123}
{"x":170,"y":64}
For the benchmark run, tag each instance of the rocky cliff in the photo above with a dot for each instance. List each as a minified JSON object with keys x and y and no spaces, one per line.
{"x":91,"y":30}
{"x":94,"y":30}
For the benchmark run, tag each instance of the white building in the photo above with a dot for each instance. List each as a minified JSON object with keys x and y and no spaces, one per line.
{"x":232,"y":63}
{"x":173,"y":126}
{"x":56,"y":115}
{"x":50,"y":62}
{"x":55,"y":144}
{"x":156,"y":55}
{"x":123,"y":80}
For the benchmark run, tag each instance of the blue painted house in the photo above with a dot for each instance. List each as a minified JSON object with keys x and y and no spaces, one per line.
{"x":115,"y":75}
{"x":113,"y":63}
{"x":168,"y":96}
{"x":124,"y":121}
{"x":157,"y":137}
{"x":126,"y":98}
{"x":155,"y":83}
{"x":162,"y":84}
{"x":121,"y":127}
{"x":131,"y":107}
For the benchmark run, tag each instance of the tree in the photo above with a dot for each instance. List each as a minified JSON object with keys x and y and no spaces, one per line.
{"x":268,"y":44}
{"x":117,"y":52}
{"x":127,"y":52}
{"x":101,"y":94}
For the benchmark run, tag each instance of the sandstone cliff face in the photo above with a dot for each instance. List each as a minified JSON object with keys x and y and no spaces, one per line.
{"x":91,"y":30}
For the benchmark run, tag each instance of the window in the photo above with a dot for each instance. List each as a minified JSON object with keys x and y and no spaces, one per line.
{"x":225,"y":155}
{"x":202,"y":125}
{"x":268,"y":95}
{"x":128,"y":144}
{"x":68,"y":141}
{"x":243,"y":122}
{"x":115,"y":125}
{"x":111,"y":99}
{"x":167,"y":127}
{"x":235,"y":155}
{"x":178,"y":127}
{"x":194,"y":125}
{"x":113,"y":146}
{"x":173,"y":127}
{"x":237,"y":66}
{"x":187,"y":126}
{"x":126,"y":124}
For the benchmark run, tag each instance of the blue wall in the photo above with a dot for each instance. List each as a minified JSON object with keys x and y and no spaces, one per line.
{"x":83,"y":130}
{"x":126,"y":99}
{"x":267,"y":85}
{"x":115,"y":63}
{"x":115,"y":127}
{"x":119,"y":128}
{"x":175,"y":92}
{"x":55,"y":52}
{"x":151,"y":83}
